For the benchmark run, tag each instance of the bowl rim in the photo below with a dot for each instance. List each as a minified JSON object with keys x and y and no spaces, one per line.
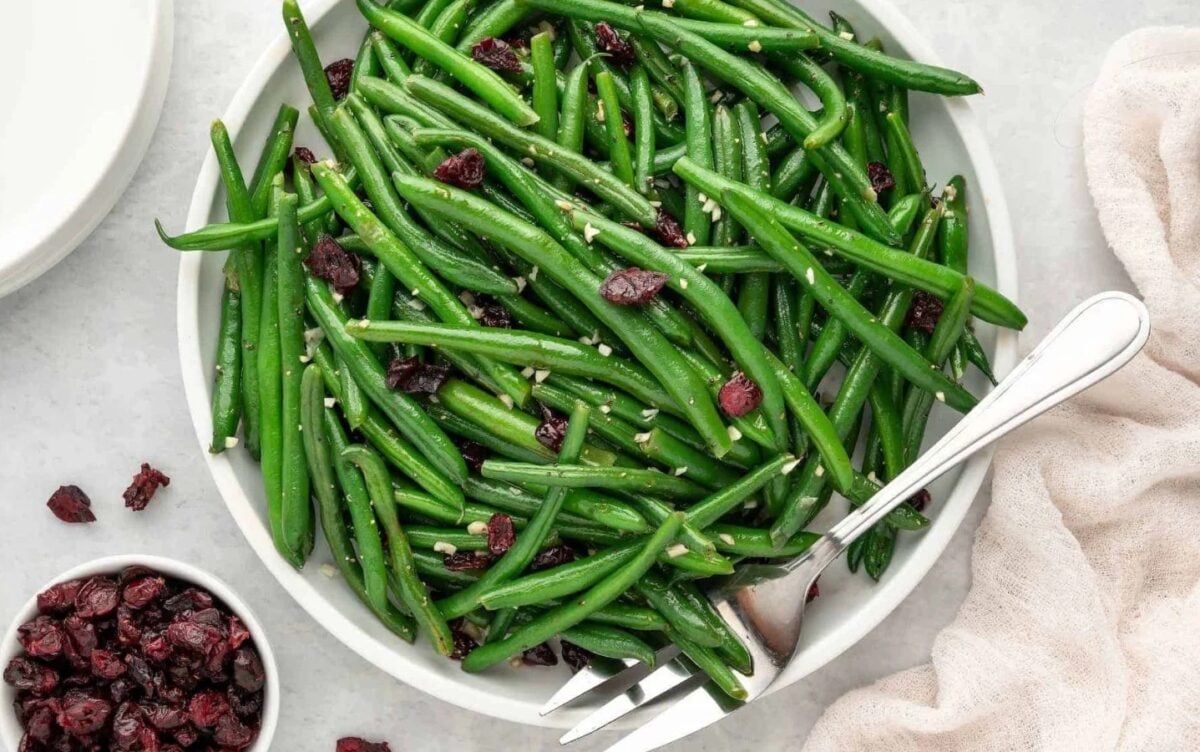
{"x":10,"y":728}
{"x":442,"y":684}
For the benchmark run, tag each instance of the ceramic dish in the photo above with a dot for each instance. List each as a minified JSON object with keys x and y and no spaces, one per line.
{"x":10,"y":729}
{"x":849,"y":607}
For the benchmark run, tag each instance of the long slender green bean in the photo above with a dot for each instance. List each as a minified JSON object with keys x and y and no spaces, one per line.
{"x":627,"y":479}
{"x":227,"y":386}
{"x":545,"y":87}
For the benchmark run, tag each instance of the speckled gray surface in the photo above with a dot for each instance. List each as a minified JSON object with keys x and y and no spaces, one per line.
{"x":90,"y":384}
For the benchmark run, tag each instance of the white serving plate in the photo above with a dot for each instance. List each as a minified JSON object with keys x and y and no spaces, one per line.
{"x":849,"y":607}
{"x":83,"y":83}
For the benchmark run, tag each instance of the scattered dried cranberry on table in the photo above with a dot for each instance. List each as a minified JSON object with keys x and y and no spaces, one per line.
{"x":71,"y":504}
{"x":145,"y":484}
{"x":466,"y":169}
{"x":632,"y":286}
{"x":339,"y":73}
{"x":496,"y":54}
{"x":135,"y":661}
{"x":739,"y":396}
{"x":354,"y":744}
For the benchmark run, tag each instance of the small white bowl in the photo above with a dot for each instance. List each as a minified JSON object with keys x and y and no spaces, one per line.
{"x":10,"y":728}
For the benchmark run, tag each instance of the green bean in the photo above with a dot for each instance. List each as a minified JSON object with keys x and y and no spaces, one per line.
{"x":953,"y":241}
{"x":752,"y":426}
{"x":552,"y":622}
{"x":618,"y":144}
{"x":732,"y":649}
{"x":643,"y":130}
{"x":296,"y":519}
{"x":833,"y":100}
{"x":581,"y":170}
{"x":754,"y":290}
{"x":484,"y":82}
{"x":907,"y":73}
{"x":905,"y":152}
{"x":905,"y":211}
{"x":642,"y":339}
{"x":395,"y":101}
{"x":729,"y":260}
{"x":727,"y":135}
{"x":500,"y":625}
{"x":903,"y":267}
{"x":703,"y":514}
{"x":306,"y":193}
{"x":572,"y":119}
{"x":413,"y":592}
{"x":518,"y":557}
{"x":624,"y":615}
{"x":525,"y":349}
{"x":449,"y":262}
{"x":794,"y":171}
{"x":609,"y":642}
{"x":828,"y":344}
{"x":428,"y":537}
{"x":708,"y":661}
{"x":237,"y":395}
{"x":545,"y":87}
{"x":404,"y":413}
{"x":756,"y":543}
{"x":270,"y":384}
{"x":698,"y":118}
{"x":355,"y":405}
{"x":786,"y":326}
{"x":946,"y":334}
{"x":627,"y":479}
{"x":712,"y":10}
{"x":395,"y":69}
{"x":654,"y":444}
{"x":657,"y":65}
{"x":446,"y":28}
{"x":672,"y":605}
{"x":887,"y":428}
{"x":470,"y":403}
{"x":494,"y":21}
{"x":581,"y":506}
{"x":701,"y":292}
{"x":560,"y":581}
{"x":273,"y":158}
{"x":381,"y":296}
{"x":227,"y":393}
{"x":365,"y":62}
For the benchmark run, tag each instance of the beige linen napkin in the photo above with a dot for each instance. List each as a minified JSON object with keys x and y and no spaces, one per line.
{"x":1082,"y":627}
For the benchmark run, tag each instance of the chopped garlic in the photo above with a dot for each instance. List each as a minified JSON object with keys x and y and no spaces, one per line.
{"x":810,"y":275}
{"x":520,"y":282}
{"x":330,"y":401}
{"x":589,"y":232}
{"x":847,"y":35}
{"x":478,"y":527}
{"x":231,"y":442}
{"x":540,"y":375}
{"x":681,"y":470}
{"x":508,"y":401}
{"x":604,"y":349}
{"x":329,"y":571}
{"x":734,"y":433}
{"x":820,"y":471}
{"x":756,"y":46}
{"x":650,"y":413}
{"x":442,"y":547}
{"x":676,"y":550}
{"x":727,"y":539}
{"x":790,"y":466}
{"x":941,"y":396}
{"x":643,"y":438}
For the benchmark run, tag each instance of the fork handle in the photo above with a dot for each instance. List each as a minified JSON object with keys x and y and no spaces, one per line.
{"x":1096,"y":339}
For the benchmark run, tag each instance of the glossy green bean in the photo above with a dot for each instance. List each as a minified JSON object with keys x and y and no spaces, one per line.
{"x":560,"y":581}
{"x":704,"y":513}
{"x":711,"y":663}
{"x":905,"y":152}
{"x":732,"y":649}
{"x":495,"y":21}
{"x":625,"y":479}
{"x":737,"y":540}
{"x":413,"y":592}
{"x":727,"y":134}
{"x":833,"y":100}
{"x":227,"y":381}
{"x":609,"y":111}
{"x":482,"y":81}
{"x":545,"y":86}
{"x":828,"y":345}
{"x":305,"y":52}
{"x":698,"y":120}
{"x":645,"y":341}
{"x":392,"y":64}
{"x":552,"y":622}
{"x":446,"y":28}
{"x":609,"y":642}
{"x":572,"y":119}
{"x":643,"y":130}
{"x":581,"y":506}
{"x":903,"y":267}
{"x":671,"y":604}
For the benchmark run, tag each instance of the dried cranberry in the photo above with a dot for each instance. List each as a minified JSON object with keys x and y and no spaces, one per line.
{"x":209,"y":616}
{"x":814,"y":591}
{"x":497,"y":55}
{"x":502,"y":534}
{"x":189,"y":599}
{"x":669,"y":231}
{"x":575,"y":657}
{"x":81,"y":639}
{"x":144,"y":485}
{"x":142,"y":592}
{"x":42,"y":637}
{"x":186,"y":736}
{"x":128,"y":725}
{"x":233,"y":733}
{"x":71,"y":504}
{"x":238,"y":634}
{"x":155,"y":646}
{"x":140,"y":673}
{"x":305,"y":155}
{"x":248,"y":672}
{"x":881,"y":177}
{"x":354,"y":744}
{"x":39,"y":724}
{"x":128,"y":631}
{"x":632,"y":286}
{"x":98,"y":597}
{"x":245,"y":705}
{"x":463,"y":642}
{"x":59,"y":598}
{"x":106,"y":665}
{"x":164,"y":717}
{"x":83,"y":714}
{"x":552,"y":557}
{"x":24,"y":673}
{"x":329,"y":261}
{"x":338,"y":73}
{"x":921,"y":499}
{"x":552,"y":430}
{"x":190,"y":634}
{"x":411,"y":376}
{"x":121,"y":689}
{"x":466,"y":561}
{"x":466,"y":169}
{"x":924,"y":312}
{"x":617,"y":47}
{"x":206,"y":708}
{"x":473,"y":453}
{"x":492,"y":313}
{"x":739,"y":395}
{"x":539,"y":655}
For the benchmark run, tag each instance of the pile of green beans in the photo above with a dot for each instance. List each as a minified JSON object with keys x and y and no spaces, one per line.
{"x":810,"y":259}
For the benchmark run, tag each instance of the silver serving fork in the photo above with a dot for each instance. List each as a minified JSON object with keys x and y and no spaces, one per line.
{"x":1096,"y":339}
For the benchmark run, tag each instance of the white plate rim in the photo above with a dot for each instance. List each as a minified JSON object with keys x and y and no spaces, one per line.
{"x":889,"y":593}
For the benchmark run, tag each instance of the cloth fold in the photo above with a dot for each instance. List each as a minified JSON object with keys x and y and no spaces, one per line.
{"x":1081,"y":630}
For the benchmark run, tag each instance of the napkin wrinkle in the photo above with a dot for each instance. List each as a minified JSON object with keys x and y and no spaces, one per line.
{"x":1081,"y":630}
